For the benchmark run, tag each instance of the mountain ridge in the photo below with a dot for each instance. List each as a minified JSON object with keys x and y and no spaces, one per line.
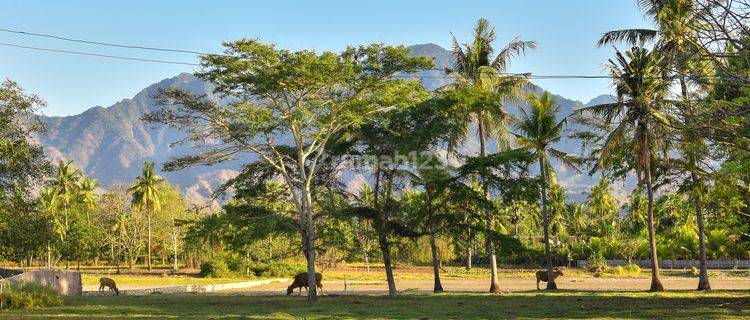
{"x":111,"y":143}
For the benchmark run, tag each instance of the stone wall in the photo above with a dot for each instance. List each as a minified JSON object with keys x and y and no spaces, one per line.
{"x":7,"y":273}
{"x":195,"y":288}
{"x":679,"y":264}
{"x":67,"y":282}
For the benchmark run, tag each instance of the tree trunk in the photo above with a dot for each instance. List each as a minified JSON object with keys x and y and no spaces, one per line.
{"x":149,"y":240}
{"x":385,"y":248}
{"x":312,"y":290}
{"x":494,"y":286}
{"x":656,"y":285}
{"x":174,"y":247}
{"x":468,"y":246}
{"x":367,"y":262}
{"x":49,"y":257}
{"x":551,"y":285}
{"x":703,"y":283}
{"x":438,"y":286}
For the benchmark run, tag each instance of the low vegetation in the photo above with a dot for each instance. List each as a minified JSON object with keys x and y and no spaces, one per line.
{"x":28,"y":295}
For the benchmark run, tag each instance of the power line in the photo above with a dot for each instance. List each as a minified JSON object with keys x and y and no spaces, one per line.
{"x":140,"y":47}
{"x":97,"y":54}
{"x":105,"y":43}
{"x":500,"y":74}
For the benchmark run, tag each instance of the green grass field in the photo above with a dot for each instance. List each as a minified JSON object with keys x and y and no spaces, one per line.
{"x":606,"y":305}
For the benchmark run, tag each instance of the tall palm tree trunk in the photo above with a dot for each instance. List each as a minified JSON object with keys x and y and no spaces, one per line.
{"x":551,"y":285}
{"x":149,"y":240}
{"x":656,"y":285}
{"x":494,"y":285}
{"x":703,"y":283}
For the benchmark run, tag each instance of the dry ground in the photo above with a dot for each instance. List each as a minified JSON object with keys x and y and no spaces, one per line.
{"x":474,"y":285}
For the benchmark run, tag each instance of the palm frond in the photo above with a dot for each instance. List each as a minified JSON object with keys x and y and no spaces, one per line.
{"x":570,"y":161}
{"x":515,"y":48}
{"x":630,"y":36}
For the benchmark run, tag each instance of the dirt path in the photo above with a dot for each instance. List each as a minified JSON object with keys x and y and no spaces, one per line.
{"x":514,"y":285}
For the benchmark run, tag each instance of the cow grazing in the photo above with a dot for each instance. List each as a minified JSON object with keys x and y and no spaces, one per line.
{"x":541,"y":275}
{"x":300,"y":281}
{"x":108,"y":282}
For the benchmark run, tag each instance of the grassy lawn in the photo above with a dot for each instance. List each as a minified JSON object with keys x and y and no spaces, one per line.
{"x":605,"y":305}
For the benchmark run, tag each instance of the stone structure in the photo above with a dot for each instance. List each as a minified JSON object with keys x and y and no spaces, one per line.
{"x":67,"y":282}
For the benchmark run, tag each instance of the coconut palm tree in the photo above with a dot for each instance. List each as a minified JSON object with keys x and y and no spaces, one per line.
{"x":64,"y":186}
{"x":477,"y":66}
{"x":49,"y":201}
{"x":537,"y":130}
{"x":86,"y":192}
{"x":147,"y":195}
{"x":675,"y":39}
{"x":636,"y":120}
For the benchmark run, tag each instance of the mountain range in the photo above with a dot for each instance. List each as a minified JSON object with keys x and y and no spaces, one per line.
{"x":111,"y":144}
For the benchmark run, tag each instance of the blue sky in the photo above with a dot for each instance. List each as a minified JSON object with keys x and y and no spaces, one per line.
{"x":566,"y":29}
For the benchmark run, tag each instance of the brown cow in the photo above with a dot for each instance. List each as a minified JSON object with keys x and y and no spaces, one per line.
{"x":108,"y":282}
{"x":300,"y":281}
{"x":541,"y":275}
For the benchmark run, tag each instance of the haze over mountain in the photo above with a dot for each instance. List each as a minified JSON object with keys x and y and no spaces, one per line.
{"x":111,"y":144}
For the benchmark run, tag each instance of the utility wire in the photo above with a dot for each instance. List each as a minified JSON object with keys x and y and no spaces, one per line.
{"x":501,"y":74}
{"x":97,"y":54}
{"x":105,"y":43}
{"x":128,"y":46}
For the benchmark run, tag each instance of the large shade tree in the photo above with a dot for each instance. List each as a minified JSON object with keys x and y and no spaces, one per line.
{"x":147,"y":196}
{"x":24,"y":228}
{"x":538,"y":130}
{"x":477,"y":65}
{"x":280,"y":99}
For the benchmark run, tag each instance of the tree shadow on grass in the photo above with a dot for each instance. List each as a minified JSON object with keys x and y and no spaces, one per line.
{"x":529,"y":305}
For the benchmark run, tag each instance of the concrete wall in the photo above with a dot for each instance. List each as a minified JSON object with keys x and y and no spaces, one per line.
{"x":679,"y":264}
{"x":196,"y":288}
{"x":7,"y":273}
{"x":67,"y":282}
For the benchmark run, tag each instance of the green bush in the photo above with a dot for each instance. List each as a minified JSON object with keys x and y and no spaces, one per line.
{"x":277,"y":269}
{"x":633,"y":268}
{"x":695,"y":272}
{"x":630,"y":269}
{"x":215,"y":269}
{"x":29,"y":295}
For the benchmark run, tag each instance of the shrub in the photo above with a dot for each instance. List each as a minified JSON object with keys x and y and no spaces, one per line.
{"x":695,"y":271}
{"x":630,"y":269}
{"x":215,"y":269}
{"x":633,"y":268}
{"x":596,"y":263}
{"x":29,"y":295}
